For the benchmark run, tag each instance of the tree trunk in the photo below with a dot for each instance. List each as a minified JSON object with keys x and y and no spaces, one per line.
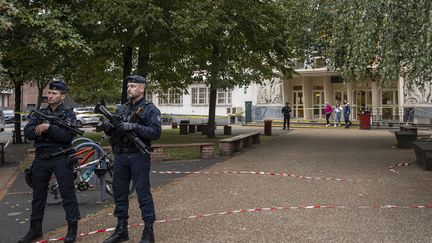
{"x":127,"y":69}
{"x":41,"y":86}
{"x":143,"y":59}
{"x":17,"y":109}
{"x":212,"y":113}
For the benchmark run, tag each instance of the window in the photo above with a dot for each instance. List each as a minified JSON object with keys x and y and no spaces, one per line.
{"x":224,"y":97}
{"x":170,"y":98}
{"x":201,"y":96}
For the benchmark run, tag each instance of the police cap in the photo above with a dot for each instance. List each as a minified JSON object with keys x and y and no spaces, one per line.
{"x":136,"y":79}
{"x":58,"y":85}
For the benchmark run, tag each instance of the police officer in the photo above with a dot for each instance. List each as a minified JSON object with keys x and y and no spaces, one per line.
{"x":143,"y":118}
{"x":50,"y":139}
{"x":286,"y":110}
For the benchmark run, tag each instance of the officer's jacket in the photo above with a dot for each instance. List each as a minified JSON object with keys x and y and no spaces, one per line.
{"x":286,"y":110}
{"x":148,"y":119}
{"x":55,"y":137}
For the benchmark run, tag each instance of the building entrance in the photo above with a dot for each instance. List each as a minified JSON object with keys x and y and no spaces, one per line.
{"x":318,"y":104}
{"x":363,"y":101}
{"x":298,"y":102}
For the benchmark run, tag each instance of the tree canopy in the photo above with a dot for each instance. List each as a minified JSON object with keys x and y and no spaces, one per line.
{"x":382,"y":40}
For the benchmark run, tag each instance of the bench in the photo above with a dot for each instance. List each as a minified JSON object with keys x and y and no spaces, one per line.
{"x":423,"y":152}
{"x":234,"y":144}
{"x":405,"y":138}
{"x":22,"y":136}
{"x":2,"y":151}
{"x":206,"y":149}
{"x":409,"y":128}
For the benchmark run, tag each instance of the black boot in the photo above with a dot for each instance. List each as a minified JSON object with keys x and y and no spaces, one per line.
{"x":72,"y":232}
{"x":148,"y":235}
{"x":120,"y":233}
{"x":34,"y":233}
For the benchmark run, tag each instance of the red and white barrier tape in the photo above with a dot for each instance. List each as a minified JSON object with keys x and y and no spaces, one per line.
{"x":264,"y":173}
{"x":392,"y":168}
{"x":317,"y":206}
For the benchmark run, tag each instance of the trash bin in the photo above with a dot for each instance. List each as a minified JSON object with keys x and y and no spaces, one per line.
{"x":184,"y":124}
{"x":227,"y":130}
{"x":268,"y":127}
{"x":365,"y":120}
{"x":174,"y":125}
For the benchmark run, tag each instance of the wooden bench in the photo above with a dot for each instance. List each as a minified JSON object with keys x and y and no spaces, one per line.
{"x":423,"y":152}
{"x":206,"y":149}
{"x":409,"y":128}
{"x":405,"y":138}
{"x":22,"y":136}
{"x":234,"y":144}
{"x":2,"y":152}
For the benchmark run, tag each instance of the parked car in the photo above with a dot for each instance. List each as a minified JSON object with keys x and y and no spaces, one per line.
{"x":80,"y":110}
{"x":2,"y":121}
{"x":9,"y":116}
{"x":84,"y":119}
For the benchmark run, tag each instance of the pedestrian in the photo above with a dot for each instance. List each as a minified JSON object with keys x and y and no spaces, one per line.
{"x":328,"y":111}
{"x":347,"y":113}
{"x":286,"y":115}
{"x":143,"y":118}
{"x":338,"y":114}
{"x":51,"y":139}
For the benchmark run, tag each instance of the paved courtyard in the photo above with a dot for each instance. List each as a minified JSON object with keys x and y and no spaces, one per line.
{"x":312,"y":185}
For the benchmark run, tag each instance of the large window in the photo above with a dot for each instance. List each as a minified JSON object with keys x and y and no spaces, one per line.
{"x":224,"y":97}
{"x":201,"y":96}
{"x":170,"y":98}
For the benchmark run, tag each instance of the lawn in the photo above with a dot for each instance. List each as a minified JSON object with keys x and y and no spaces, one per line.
{"x":172,"y":136}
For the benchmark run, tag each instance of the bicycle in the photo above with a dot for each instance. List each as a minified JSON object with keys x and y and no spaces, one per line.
{"x":84,"y":170}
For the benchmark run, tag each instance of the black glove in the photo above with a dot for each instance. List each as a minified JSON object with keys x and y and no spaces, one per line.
{"x":106,"y":125}
{"x":127,"y":126}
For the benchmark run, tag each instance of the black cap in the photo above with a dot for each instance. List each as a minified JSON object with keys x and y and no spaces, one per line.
{"x":136,"y":79}
{"x":58,"y":85}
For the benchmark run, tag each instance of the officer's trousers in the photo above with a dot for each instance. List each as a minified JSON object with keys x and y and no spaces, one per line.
{"x":135,"y":167}
{"x":286,"y":122}
{"x":42,"y":171}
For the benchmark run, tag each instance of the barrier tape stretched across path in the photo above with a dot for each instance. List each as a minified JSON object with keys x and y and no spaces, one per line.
{"x":317,"y":206}
{"x":265,"y":173}
{"x":392,"y":168}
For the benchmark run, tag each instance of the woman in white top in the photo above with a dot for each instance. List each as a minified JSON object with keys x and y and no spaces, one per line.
{"x":338,"y":114}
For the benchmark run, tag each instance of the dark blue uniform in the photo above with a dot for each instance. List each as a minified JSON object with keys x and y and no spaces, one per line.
{"x":286,"y":114}
{"x":130,"y":163}
{"x":53,"y":140}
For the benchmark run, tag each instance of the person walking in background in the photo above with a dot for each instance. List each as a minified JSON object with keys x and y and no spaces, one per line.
{"x":328,"y":111}
{"x":338,"y":114}
{"x":347,"y":112}
{"x":286,"y":114}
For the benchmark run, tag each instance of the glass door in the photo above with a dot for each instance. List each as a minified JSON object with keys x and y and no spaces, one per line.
{"x":318,"y":104}
{"x":363,"y":101}
{"x":298,"y":104}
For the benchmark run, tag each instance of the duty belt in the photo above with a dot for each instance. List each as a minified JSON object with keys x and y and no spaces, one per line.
{"x":47,"y":155}
{"x":126,"y":150}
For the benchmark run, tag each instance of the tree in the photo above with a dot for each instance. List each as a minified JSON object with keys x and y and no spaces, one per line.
{"x":382,"y":40}
{"x":232,"y":43}
{"x":35,"y":46}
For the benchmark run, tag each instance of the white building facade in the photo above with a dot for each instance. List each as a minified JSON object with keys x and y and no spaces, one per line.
{"x":307,"y":92}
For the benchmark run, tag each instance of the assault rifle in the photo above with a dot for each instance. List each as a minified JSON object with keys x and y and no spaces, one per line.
{"x":115,"y":121}
{"x":58,"y":122}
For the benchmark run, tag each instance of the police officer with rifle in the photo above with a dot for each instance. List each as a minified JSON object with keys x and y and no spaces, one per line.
{"x":53,"y":129}
{"x":131,"y":129}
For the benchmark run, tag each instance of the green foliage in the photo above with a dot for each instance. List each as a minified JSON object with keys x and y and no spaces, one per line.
{"x":37,"y":45}
{"x":381,"y":39}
